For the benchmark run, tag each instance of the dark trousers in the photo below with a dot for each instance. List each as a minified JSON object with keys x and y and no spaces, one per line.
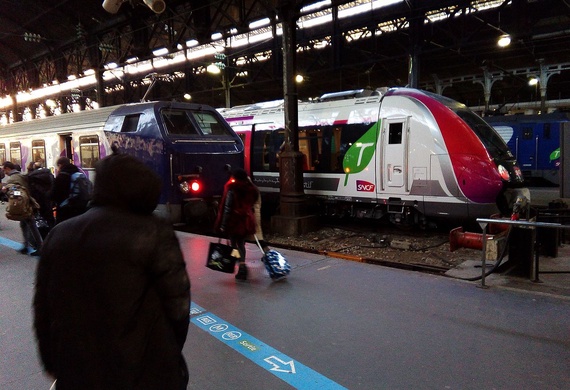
{"x":32,"y":236}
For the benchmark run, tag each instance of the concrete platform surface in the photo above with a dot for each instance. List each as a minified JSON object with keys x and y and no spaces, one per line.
{"x":332,"y":324}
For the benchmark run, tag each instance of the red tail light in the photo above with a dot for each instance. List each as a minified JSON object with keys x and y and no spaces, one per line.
{"x":190,"y":186}
{"x":195,"y":186}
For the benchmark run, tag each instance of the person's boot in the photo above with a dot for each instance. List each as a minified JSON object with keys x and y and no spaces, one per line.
{"x":242,"y":272}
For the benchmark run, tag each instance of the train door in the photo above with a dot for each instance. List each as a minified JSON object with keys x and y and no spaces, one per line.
{"x":244,"y":132}
{"x":66,"y":146}
{"x":548,"y":140}
{"x":526,"y":147}
{"x":394,"y":156}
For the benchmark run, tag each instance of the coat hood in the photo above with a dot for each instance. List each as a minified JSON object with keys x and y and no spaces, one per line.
{"x":125,"y":182}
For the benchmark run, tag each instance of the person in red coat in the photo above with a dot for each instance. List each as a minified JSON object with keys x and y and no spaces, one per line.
{"x":236,"y":217}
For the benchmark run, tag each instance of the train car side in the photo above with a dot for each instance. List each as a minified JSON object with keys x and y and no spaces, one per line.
{"x":78,"y":136}
{"x":407,"y":154}
{"x":535,"y":141}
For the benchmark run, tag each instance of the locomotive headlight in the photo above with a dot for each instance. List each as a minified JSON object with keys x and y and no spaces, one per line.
{"x":504,"y":173}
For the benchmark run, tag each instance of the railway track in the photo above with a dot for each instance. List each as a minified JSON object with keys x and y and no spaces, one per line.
{"x":384,"y":244}
{"x":380,"y":244}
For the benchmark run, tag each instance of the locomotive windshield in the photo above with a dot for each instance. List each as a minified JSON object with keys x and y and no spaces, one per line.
{"x":181,"y":122}
{"x":488,"y":136}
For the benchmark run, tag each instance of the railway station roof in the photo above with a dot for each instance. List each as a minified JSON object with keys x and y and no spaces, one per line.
{"x":454,"y":43}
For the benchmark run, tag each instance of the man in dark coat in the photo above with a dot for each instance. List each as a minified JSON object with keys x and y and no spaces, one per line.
{"x":40,"y":181}
{"x":61,"y":191}
{"x":112,"y":297}
{"x":236,"y":216}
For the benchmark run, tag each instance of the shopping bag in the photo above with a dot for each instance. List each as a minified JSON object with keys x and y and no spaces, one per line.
{"x":220,"y":257}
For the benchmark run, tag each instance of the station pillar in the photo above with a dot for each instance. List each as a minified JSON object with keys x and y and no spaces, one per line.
{"x":293,"y":218}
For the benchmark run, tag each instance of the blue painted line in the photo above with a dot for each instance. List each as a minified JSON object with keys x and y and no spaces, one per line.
{"x":277,"y":363}
{"x":10,"y":243}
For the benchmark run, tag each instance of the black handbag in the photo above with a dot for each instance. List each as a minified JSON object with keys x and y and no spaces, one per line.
{"x":221,"y":257}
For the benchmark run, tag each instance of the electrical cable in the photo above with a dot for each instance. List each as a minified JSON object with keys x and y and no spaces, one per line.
{"x":495,"y":266}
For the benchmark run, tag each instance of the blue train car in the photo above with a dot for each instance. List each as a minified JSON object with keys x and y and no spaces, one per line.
{"x":535,"y":142}
{"x":190,"y":146}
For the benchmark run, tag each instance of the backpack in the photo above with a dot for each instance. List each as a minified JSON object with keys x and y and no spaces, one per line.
{"x":20,"y":204}
{"x":80,"y":191}
{"x":40,"y":182}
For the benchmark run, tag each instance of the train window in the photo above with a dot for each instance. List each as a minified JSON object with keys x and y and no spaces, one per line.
{"x":527,"y":132}
{"x":349,"y":135}
{"x":178,"y":122}
{"x":130,"y":124}
{"x":395,"y":133}
{"x":39,"y":151}
{"x":311,"y":145}
{"x":15,"y":153}
{"x":2,"y":153}
{"x":272,"y":144}
{"x":334,"y":163}
{"x":486,"y":134}
{"x":263,"y":156}
{"x":209,"y":124}
{"x":89,"y":150}
{"x":305,"y":149}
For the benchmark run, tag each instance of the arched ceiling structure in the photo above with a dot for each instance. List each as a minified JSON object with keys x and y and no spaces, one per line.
{"x":452,"y":42}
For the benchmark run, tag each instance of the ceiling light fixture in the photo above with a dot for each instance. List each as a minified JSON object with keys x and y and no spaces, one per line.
{"x":533,"y":81}
{"x":213,"y":69}
{"x":504,"y":40}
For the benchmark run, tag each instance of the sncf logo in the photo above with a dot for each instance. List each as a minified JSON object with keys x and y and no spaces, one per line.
{"x":365,"y":186}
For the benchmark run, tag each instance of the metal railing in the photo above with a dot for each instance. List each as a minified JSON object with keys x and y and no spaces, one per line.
{"x":483,"y":222}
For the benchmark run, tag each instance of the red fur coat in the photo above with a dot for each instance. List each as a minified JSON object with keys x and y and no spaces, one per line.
{"x":236,"y":216}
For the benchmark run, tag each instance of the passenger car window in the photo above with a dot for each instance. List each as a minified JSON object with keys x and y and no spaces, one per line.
{"x":89,"y":150}
{"x":39,"y":151}
{"x":15,"y":153}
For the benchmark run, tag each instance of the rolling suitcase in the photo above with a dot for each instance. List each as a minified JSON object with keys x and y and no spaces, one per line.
{"x":275,"y":263}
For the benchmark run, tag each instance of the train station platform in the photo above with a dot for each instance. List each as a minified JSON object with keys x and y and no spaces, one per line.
{"x":332,"y":324}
